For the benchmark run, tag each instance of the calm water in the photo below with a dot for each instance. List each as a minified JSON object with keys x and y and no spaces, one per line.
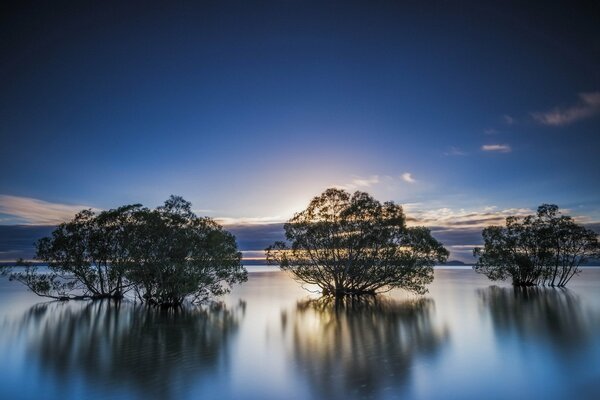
{"x":273,"y":340}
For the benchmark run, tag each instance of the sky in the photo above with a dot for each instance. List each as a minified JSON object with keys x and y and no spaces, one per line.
{"x":464,"y":112}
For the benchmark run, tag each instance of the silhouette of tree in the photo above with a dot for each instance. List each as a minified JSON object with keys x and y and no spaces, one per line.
{"x":175,"y":255}
{"x":352,"y":244}
{"x":569,"y":245}
{"x":165,"y":255}
{"x":86,"y":257}
{"x":546,"y":248}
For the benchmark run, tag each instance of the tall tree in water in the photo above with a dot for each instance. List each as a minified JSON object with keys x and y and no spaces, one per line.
{"x":176,"y":255}
{"x":353,"y":244}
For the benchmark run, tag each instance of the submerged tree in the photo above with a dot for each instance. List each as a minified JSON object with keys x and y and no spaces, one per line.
{"x":176,"y":255}
{"x":569,"y":245}
{"x":86,"y":257}
{"x":352,"y":244}
{"x":546,"y":248}
{"x":166,"y":255}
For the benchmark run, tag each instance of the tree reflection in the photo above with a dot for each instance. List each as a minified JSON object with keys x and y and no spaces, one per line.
{"x":360,"y":347}
{"x":154,"y":352}
{"x":548,"y":314}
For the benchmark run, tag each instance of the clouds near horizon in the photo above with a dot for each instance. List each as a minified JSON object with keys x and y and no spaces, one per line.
{"x":30,"y":211}
{"x":458,"y":229}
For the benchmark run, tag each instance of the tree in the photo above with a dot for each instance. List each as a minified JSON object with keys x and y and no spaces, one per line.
{"x":86,"y":257}
{"x":176,"y":255}
{"x":546,"y":248}
{"x":352,"y":244}
{"x":569,"y":244}
{"x":165,"y":255}
{"x":513,"y":251}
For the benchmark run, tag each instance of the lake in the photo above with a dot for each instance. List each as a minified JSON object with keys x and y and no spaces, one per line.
{"x":468,"y":338}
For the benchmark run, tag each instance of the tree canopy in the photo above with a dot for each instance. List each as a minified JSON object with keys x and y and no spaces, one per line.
{"x":543,"y":249}
{"x":353,"y":244}
{"x":163,"y":255}
{"x":175,"y":255}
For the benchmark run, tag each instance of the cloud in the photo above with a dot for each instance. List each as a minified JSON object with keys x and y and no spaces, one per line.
{"x":360,"y":182}
{"x":588,"y":106}
{"x":490,"y":131}
{"x":459,"y":231}
{"x":508,"y":120}
{"x":256,"y":237}
{"x":499,"y":148}
{"x":407,"y":177}
{"x":447,"y":218}
{"x":454,"y":151}
{"x":31,"y":211}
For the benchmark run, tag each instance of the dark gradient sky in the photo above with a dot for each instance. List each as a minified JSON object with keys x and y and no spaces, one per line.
{"x":464,"y":111}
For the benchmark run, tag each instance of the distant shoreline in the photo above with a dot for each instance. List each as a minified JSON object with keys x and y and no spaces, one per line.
{"x":264,"y":267}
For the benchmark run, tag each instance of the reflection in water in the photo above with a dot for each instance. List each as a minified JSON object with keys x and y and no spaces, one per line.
{"x":546,"y":314}
{"x":151,"y":351}
{"x":360,"y":347}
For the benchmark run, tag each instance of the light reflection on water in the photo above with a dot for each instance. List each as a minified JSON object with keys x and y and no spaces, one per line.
{"x":554,"y":317}
{"x":360,"y":348}
{"x":270,"y":339}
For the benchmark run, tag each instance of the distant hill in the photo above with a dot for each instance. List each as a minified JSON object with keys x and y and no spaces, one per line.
{"x":590,"y":263}
{"x":454,"y":262}
{"x":254,"y":262}
{"x":594,"y":262}
{"x":264,"y":262}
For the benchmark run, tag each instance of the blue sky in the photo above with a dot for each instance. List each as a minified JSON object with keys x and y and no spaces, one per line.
{"x":463,"y":112}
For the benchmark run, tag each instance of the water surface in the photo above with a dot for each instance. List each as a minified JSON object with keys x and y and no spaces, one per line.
{"x":271,"y":339}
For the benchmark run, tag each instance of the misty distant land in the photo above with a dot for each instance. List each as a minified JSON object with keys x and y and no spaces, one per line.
{"x":449,"y":263}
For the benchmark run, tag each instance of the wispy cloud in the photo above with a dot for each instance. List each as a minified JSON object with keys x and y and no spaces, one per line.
{"x":447,"y":218}
{"x":490,"y":131}
{"x":360,"y":182}
{"x":26,"y":210}
{"x":407,"y":177}
{"x":588,"y":106}
{"x":508,"y":120}
{"x":455,"y":151}
{"x":499,"y":148}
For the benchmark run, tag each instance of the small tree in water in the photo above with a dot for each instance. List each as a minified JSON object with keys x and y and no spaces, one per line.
{"x":352,"y":244}
{"x":86,"y":257}
{"x":175,"y":255}
{"x":546,"y":248}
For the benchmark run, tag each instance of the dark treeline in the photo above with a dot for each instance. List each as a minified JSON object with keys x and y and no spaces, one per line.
{"x":543,"y":249}
{"x":162,"y":256}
